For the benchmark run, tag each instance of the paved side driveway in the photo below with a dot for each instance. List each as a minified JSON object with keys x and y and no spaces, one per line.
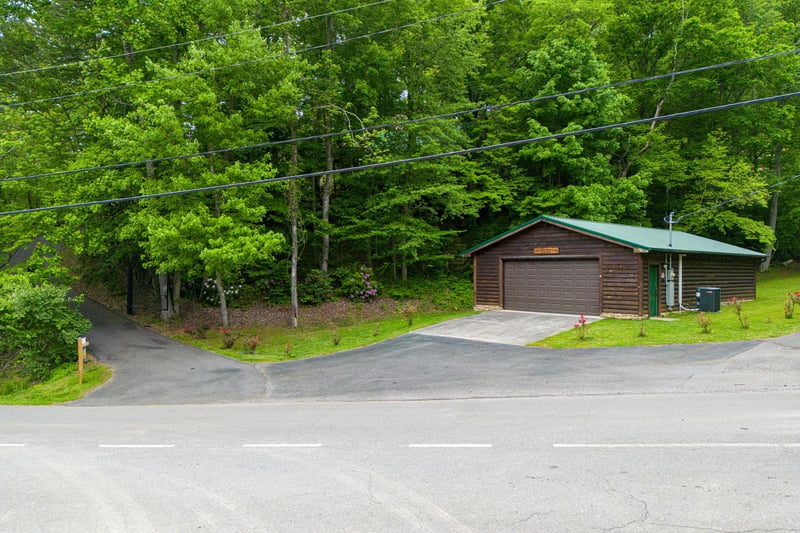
{"x":419,"y":367}
{"x":152,"y":369}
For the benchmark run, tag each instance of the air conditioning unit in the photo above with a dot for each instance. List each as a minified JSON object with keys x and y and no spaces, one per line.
{"x":708,"y":299}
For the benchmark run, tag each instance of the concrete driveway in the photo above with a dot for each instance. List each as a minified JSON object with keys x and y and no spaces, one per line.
{"x":517,"y":328}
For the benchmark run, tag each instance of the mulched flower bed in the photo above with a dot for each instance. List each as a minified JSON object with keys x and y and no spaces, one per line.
{"x":195,"y":315}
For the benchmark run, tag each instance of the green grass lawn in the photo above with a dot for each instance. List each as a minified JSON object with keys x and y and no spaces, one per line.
{"x":764,"y":317}
{"x":62,"y":386}
{"x":274,"y":344}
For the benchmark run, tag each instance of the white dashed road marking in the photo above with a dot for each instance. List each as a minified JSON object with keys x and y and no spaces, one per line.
{"x":681,"y":445}
{"x":279,"y":445}
{"x":135,"y":445}
{"x":449,"y":445}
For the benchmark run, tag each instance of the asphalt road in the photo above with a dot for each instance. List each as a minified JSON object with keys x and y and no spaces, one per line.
{"x":671,"y":462}
{"x":427,"y":432}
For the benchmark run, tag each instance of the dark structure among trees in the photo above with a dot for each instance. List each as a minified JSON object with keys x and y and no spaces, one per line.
{"x":563,"y":265}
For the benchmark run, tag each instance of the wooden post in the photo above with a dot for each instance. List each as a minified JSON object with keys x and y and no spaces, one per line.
{"x":82,"y":344}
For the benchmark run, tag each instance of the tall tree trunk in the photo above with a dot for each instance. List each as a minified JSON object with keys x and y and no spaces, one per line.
{"x":659,"y":106}
{"x":127,"y":49}
{"x":292,"y":204}
{"x":327,"y":189}
{"x":394,"y":258}
{"x":168,"y":311}
{"x":163,"y":290}
{"x":176,"y":293}
{"x":773,"y":208}
{"x":223,"y":302}
{"x":293,"y":216}
{"x":327,"y":179}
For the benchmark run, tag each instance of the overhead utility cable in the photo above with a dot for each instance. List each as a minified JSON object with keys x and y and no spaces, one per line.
{"x":250,"y":61}
{"x":195,"y":41}
{"x":678,"y":220}
{"x":484,"y":108}
{"x":430,"y":157}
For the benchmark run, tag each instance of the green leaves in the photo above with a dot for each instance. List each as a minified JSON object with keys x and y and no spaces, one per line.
{"x":247,"y":79}
{"x":39,"y":326}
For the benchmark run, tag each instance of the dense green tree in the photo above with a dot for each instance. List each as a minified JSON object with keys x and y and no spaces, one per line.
{"x":117,"y":81}
{"x":718,"y":178}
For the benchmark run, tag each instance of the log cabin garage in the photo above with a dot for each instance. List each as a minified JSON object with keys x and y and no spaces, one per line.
{"x":560,"y":265}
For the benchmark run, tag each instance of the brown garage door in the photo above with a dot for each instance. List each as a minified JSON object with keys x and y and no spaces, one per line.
{"x":552,"y":286}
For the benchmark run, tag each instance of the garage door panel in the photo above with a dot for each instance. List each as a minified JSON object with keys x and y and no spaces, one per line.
{"x":555,"y":286}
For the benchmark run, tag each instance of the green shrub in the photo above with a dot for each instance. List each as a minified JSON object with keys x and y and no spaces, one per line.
{"x":39,"y":325}
{"x":357,"y":285}
{"x":275,"y":288}
{"x":13,"y":384}
{"x":441,"y":293}
{"x":316,"y":288}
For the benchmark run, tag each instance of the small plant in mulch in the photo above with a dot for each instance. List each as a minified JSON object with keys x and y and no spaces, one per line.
{"x":744,"y":321}
{"x":582,"y":327}
{"x":198,"y":332}
{"x":409,"y":311}
{"x":336,"y":337}
{"x":704,"y":321}
{"x":792,"y":299}
{"x":250,"y":344}
{"x":228,"y":338}
{"x":643,"y":327}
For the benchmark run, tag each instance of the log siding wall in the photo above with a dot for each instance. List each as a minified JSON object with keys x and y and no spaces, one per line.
{"x":734,"y":276}
{"x":624,"y":283}
{"x":619,"y":267}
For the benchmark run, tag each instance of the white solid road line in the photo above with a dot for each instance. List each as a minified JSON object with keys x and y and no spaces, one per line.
{"x":681,"y":445}
{"x":11,"y":445}
{"x":281,"y":445}
{"x":135,"y":445}
{"x":449,"y":445}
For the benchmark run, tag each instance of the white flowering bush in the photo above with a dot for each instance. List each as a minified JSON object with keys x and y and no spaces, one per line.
{"x":210,"y":296}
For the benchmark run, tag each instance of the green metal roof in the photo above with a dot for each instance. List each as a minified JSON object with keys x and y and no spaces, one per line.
{"x":645,"y":239}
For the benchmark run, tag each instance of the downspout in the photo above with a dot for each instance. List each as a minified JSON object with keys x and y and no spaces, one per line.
{"x":680,"y":282}
{"x":474,"y":281}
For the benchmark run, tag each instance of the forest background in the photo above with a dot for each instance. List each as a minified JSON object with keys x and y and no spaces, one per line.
{"x":287,"y":148}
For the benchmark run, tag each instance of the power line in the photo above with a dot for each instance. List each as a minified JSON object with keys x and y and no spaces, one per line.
{"x":430,"y":157}
{"x":732,"y":200}
{"x":195,"y":41}
{"x":250,"y":61}
{"x":484,"y":108}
